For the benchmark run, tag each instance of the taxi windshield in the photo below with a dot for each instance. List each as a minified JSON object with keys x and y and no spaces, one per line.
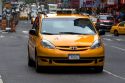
{"x":67,"y":26}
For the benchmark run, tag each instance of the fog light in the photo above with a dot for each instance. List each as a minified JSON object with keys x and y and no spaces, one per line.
{"x":100,"y":60}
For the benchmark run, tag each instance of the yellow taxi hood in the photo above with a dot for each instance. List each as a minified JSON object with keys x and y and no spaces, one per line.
{"x":71,"y":40}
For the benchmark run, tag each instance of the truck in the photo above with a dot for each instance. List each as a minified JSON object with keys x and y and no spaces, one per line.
{"x":52,"y":8}
{"x":1,"y":10}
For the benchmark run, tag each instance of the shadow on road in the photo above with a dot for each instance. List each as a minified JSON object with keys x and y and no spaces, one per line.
{"x":68,"y":70}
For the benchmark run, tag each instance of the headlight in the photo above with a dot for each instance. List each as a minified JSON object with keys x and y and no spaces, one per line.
{"x":96,"y":44}
{"x":47,"y":44}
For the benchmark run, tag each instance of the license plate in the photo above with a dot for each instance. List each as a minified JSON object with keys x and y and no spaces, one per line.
{"x":74,"y":56}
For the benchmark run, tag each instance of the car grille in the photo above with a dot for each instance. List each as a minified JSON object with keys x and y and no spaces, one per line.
{"x":73,"y":61}
{"x":65,"y":60}
{"x":73,"y":48}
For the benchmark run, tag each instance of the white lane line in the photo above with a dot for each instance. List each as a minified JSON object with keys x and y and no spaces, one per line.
{"x":114,"y":75}
{"x":118,"y":48}
{"x":1,"y":79}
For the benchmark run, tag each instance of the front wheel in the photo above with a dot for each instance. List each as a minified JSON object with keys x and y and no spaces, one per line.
{"x":116,"y":33}
{"x":98,"y":69}
{"x":37,"y":67}
{"x":30,"y":61}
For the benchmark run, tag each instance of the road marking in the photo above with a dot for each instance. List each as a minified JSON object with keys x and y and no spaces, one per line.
{"x":4,"y":32}
{"x":25,"y":32}
{"x":117,"y":76}
{"x":107,"y":39}
{"x":26,"y":36}
{"x":1,"y":79}
{"x":25,"y":22}
{"x":118,"y":48}
{"x":119,"y":39}
{"x":1,"y":36}
{"x":108,"y":35}
{"x":8,"y":28}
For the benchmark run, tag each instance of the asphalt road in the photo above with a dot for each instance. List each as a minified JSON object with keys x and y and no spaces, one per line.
{"x":14,"y":69}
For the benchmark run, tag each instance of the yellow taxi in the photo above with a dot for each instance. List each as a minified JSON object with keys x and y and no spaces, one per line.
{"x":118,"y":29}
{"x":23,"y":16}
{"x":65,"y":40}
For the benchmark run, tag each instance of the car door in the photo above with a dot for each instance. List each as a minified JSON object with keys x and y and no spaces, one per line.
{"x":121,"y":28}
{"x":33,"y":39}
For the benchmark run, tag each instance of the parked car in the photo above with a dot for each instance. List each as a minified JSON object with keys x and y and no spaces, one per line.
{"x":105,"y":22}
{"x":118,"y":28}
{"x":65,"y":40}
{"x":23,"y":16}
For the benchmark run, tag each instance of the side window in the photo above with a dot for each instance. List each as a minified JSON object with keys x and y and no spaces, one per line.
{"x":36,"y":23}
{"x":122,"y":24}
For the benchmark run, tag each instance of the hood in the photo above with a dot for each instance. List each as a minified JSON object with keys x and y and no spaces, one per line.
{"x":71,"y":40}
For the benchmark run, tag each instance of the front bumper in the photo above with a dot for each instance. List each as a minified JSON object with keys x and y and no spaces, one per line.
{"x":91,"y":57}
{"x":55,"y":61}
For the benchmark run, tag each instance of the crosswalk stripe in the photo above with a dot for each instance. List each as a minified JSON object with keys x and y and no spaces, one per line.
{"x":25,"y":32}
{"x":109,"y":35}
{"x":107,"y":39}
{"x":119,"y":39}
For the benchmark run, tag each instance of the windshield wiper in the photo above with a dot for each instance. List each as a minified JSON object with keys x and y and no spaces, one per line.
{"x":47,"y":33}
{"x":70,"y":33}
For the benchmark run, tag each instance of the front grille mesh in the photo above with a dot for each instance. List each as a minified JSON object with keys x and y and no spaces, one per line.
{"x":73,"y":61}
{"x":108,"y":23}
{"x":69,"y":48}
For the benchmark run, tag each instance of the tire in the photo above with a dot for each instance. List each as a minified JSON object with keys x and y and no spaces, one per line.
{"x":116,"y":33}
{"x":98,"y":69}
{"x":30,"y":61}
{"x":37,"y":67}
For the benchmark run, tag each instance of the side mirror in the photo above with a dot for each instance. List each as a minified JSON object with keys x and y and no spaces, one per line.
{"x":32,"y":32}
{"x":101,"y":32}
